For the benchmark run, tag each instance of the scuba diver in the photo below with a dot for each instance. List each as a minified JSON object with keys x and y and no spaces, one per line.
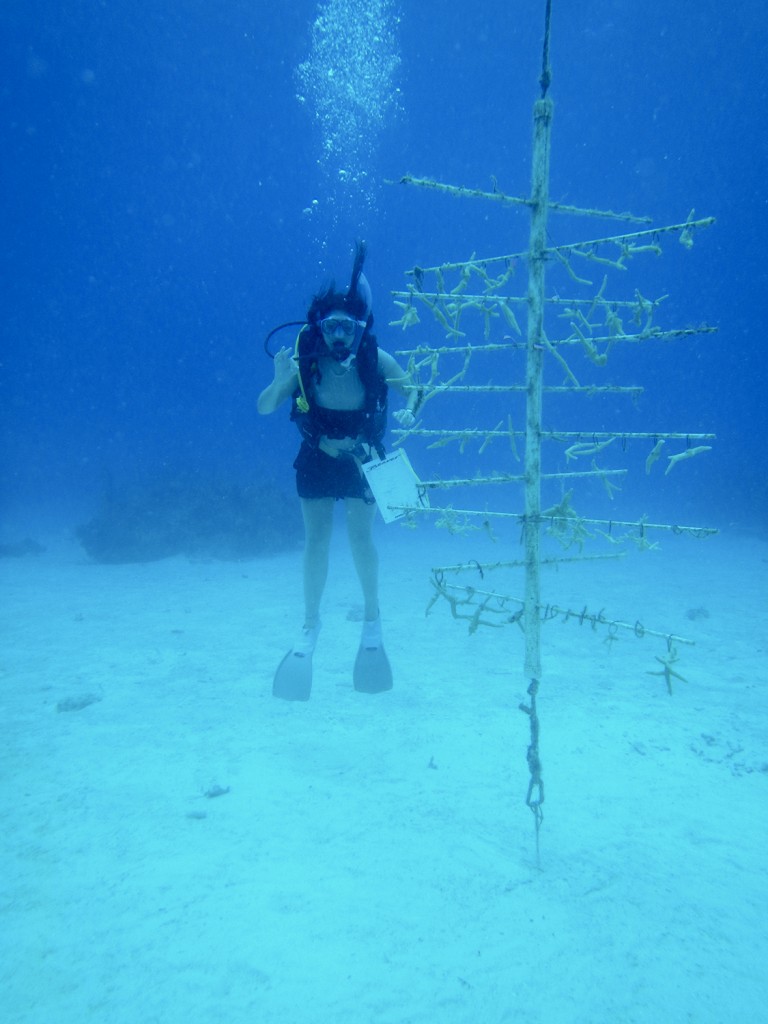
{"x":338,"y":379}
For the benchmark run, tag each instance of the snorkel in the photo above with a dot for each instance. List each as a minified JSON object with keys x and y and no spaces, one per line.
{"x":349,"y":315}
{"x":358,"y":298}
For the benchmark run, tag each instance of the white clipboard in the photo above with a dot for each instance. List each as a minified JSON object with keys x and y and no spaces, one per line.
{"x":393,"y":482}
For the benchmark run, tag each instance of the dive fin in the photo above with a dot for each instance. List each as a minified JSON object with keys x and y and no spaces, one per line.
{"x":372,"y":673}
{"x":293,"y":679}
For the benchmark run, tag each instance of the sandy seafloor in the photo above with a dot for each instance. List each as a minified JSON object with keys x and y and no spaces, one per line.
{"x":373,"y":859}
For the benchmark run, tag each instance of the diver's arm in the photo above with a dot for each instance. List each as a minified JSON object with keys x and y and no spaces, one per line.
{"x":402,"y":381}
{"x":283,"y":384}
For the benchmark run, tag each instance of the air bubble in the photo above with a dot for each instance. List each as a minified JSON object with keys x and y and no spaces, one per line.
{"x":348,"y":84}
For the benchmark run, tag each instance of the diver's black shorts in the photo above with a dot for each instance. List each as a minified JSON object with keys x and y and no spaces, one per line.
{"x":322,"y":476}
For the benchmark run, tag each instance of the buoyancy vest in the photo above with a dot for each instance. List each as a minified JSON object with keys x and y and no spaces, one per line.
{"x":367,"y":424}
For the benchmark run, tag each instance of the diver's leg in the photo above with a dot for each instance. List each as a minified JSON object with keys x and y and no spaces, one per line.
{"x":360,"y":517}
{"x":318,"y":523}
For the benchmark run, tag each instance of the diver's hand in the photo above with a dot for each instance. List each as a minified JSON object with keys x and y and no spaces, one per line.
{"x":286,"y":368}
{"x":286,"y":371}
{"x":336,"y":446}
{"x":404,"y":417}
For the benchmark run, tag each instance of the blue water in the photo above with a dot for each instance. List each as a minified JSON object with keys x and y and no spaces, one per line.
{"x":165,"y":203}
{"x":167,"y":199}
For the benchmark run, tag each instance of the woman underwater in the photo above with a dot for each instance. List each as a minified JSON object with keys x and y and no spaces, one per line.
{"x":338,"y":381}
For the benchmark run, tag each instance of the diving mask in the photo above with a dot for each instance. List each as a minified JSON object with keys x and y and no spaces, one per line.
{"x":342,"y":334}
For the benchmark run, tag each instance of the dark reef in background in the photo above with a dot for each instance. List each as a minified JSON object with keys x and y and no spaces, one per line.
{"x":21,"y":548}
{"x":188,"y":515}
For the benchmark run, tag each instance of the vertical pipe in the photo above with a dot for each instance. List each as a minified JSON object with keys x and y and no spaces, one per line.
{"x":542,"y":124}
